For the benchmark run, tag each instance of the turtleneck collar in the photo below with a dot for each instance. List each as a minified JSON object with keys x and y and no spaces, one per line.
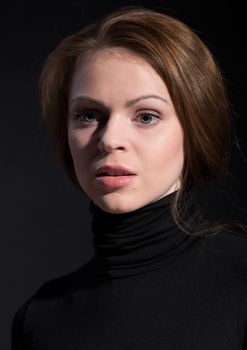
{"x":136,"y":242}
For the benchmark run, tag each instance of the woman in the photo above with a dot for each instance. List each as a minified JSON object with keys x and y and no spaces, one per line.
{"x":137,"y":109}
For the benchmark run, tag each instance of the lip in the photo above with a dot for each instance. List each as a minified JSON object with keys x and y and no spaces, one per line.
{"x":122,"y":176}
{"x":117,"y":169}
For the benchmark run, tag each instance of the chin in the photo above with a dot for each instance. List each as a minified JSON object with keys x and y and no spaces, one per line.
{"x":115,"y":208}
{"x":117,"y":205}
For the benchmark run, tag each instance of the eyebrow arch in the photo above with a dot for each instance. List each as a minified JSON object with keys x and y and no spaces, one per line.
{"x":144,"y":97}
{"x":127,"y":104}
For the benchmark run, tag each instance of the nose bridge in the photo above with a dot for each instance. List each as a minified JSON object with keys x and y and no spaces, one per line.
{"x":112,"y":135}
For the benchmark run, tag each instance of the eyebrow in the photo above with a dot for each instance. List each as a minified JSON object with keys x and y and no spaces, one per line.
{"x":144,"y":97}
{"x":127,"y":104}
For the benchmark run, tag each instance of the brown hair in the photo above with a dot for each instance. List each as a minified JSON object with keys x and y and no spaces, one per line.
{"x":186,"y":66}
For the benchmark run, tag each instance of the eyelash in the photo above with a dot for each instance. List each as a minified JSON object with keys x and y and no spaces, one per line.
{"x":83,"y":114}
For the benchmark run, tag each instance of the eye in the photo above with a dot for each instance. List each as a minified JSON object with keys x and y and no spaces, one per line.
{"x":148,"y":118}
{"x":87,"y":116}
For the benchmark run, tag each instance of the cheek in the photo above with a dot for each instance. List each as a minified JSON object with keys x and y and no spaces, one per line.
{"x":78,"y":142}
{"x":170,"y":148}
{"x":79,"y":156}
{"x":175,"y":150}
{"x":166,"y":156}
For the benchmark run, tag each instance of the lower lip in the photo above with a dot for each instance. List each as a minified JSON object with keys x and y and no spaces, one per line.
{"x":115,"y":181}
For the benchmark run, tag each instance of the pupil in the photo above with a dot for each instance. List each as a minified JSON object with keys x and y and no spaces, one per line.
{"x":89,"y":116}
{"x":146,"y":118}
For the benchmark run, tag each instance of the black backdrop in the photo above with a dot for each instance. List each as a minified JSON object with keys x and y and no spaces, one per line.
{"x":45,"y":227}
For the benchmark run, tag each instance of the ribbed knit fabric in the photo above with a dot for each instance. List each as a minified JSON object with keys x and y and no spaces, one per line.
{"x":148,"y":287}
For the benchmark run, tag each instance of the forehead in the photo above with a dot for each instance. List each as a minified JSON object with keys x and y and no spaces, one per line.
{"x":108,"y":53}
{"x":116,"y":71}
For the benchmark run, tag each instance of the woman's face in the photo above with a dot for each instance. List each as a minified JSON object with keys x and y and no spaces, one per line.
{"x":124,"y":135}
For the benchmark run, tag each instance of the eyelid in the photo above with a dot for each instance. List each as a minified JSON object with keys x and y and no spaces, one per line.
{"x":80,"y":111}
{"x":81,"y":107}
{"x":149,"y":112}
{"x":149,"y":109}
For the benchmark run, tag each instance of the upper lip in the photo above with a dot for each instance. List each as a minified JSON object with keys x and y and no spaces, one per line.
{"x":114,"y":170}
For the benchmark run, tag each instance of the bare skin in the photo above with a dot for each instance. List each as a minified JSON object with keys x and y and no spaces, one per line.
{"x":121,"y":114}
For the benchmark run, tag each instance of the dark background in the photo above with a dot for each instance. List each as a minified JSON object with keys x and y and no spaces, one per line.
{"x":45,"y":227}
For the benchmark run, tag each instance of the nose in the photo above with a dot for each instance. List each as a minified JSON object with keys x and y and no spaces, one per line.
{"x":112,"y":135}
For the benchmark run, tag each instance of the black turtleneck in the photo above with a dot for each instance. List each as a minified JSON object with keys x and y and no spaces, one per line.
{"x":149,"y":286}
{"x":140,"y":241}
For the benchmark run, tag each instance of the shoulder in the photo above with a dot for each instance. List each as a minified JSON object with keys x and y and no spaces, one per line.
{"x":82,"y":278}
{"x":233,"y":243}
{"x":50,"y":294}
{"x":223,"y":267}
{"x":225,"y":254}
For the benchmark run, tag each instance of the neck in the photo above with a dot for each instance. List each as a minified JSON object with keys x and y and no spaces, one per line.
{"x":136,"y":242}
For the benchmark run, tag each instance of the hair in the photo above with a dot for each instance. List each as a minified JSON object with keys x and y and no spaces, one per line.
{"x":188,"y":69}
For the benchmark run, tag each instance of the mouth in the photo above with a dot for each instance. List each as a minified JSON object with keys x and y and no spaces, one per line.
{"x":114,"y":176}
{"x":114,"y":170}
